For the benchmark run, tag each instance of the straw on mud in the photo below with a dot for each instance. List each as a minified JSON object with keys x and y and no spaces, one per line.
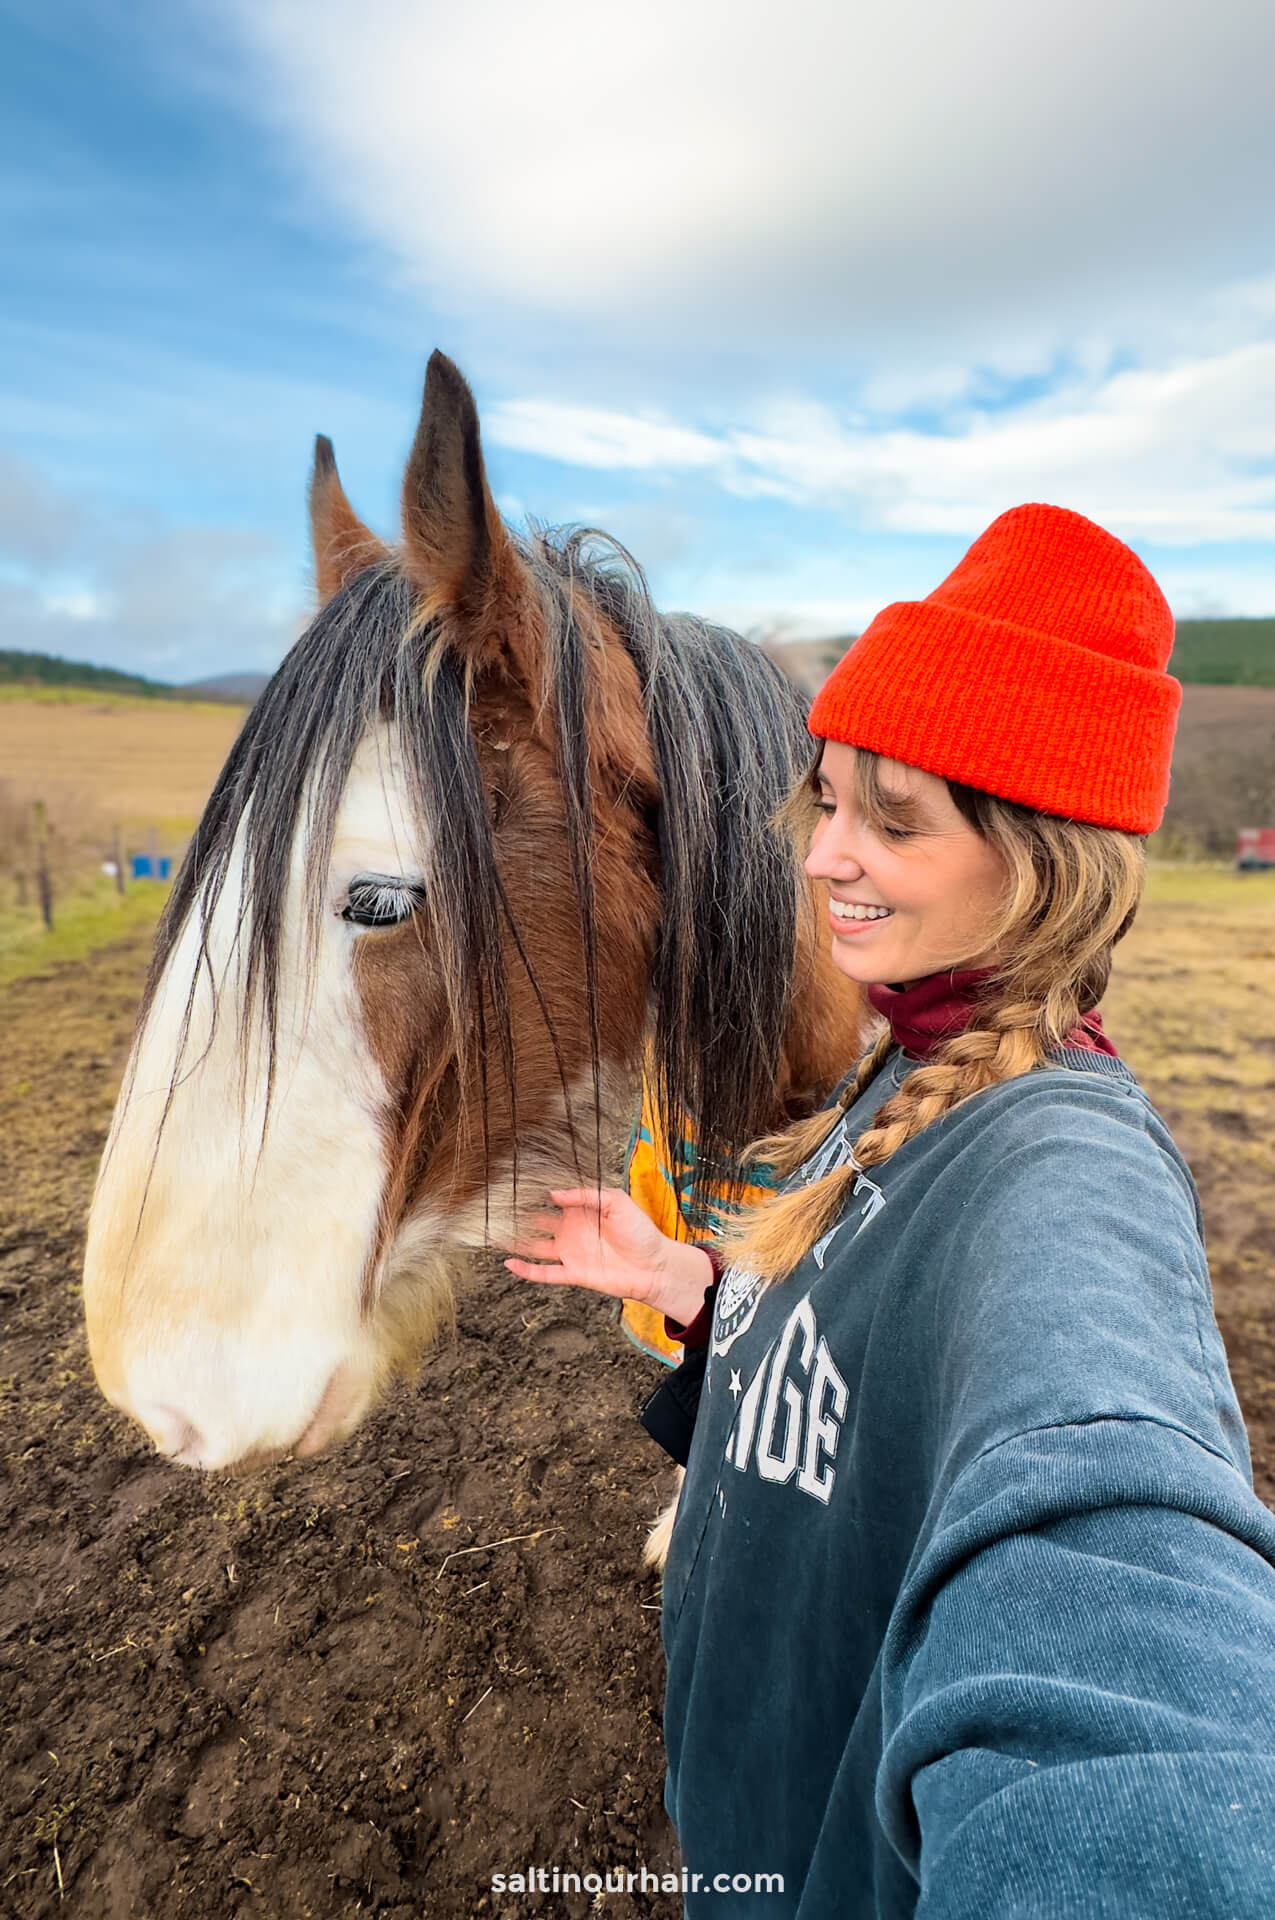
{"x":484,"y":1546}
{"x":478,"y":1702}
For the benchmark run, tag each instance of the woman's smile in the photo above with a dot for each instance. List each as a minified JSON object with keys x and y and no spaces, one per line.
{"x":854,"y":916}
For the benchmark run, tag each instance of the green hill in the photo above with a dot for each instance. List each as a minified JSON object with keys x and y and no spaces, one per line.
{"x":1225,"y":653}
{"x":47,"y":670}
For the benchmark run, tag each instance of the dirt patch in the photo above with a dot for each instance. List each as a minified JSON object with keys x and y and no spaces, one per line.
{"x":318,"y":1691}
{"x":366,"y":1683}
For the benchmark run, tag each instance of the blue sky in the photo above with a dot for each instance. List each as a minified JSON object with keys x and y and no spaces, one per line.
{"x":793,"y":303}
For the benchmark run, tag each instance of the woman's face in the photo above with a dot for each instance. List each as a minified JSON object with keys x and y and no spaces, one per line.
{"x":913,"y":896}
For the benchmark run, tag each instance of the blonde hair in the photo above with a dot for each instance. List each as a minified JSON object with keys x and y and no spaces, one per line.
{"x":1072,"y":890}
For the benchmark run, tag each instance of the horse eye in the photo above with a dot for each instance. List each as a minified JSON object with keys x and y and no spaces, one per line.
{"x":381,"y":900}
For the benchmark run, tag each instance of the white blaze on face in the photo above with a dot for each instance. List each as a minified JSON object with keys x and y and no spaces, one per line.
{"x":228,"y":1322}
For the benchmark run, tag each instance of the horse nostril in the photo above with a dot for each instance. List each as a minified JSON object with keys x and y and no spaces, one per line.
{"x":172,"y":1433}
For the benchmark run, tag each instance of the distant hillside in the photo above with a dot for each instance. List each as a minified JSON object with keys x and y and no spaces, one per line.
{"x":47,"y":670}
{"x":240,"y":689}
{"x":1225,"y":653}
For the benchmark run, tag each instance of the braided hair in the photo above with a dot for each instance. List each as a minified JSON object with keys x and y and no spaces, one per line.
{"x":1071,"y":893}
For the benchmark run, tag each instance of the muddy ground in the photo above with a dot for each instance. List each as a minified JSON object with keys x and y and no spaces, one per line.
{"x":315,"y":1692}
{"x":320,"y":1692}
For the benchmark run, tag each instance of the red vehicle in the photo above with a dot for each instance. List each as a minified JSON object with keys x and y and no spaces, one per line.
{"x":1255,"y":849}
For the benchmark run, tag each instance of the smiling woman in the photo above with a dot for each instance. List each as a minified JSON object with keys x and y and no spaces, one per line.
{"x":969,"y":1604}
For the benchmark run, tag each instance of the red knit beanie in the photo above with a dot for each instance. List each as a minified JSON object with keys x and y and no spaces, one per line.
{"x":1035,"y":672}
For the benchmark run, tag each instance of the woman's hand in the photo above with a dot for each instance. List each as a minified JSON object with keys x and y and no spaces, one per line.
{"x":602,"y":1240}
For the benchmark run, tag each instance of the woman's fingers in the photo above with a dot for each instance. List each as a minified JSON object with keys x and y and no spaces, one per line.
{"x":534,"y":1249}
{"x":541,"y":1228}
{"x":598,"y":1199}
{"x":554,"y":1276}
{"x":526,"y":1271}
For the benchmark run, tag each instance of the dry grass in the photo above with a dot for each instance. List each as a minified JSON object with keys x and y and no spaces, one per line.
{"x":139,"y":764}
{"x":1192,"y":1008}
{"x":96,"y":763}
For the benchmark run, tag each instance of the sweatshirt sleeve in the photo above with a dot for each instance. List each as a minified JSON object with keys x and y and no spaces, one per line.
{"x":1078,"y":1685}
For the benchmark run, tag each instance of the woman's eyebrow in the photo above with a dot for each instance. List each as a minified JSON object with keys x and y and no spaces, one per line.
{"x":908,"y":809}
{"x":898,"y":807}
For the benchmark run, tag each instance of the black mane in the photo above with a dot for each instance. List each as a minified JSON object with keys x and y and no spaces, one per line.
{"x":729,"y":741}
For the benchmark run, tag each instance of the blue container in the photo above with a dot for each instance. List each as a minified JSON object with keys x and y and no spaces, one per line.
{"x":141,"y":866}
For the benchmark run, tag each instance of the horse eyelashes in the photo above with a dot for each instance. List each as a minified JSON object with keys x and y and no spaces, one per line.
{"x":378,"y":900}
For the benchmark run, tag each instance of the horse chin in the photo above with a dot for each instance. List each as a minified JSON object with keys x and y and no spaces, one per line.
{"x":414,"y":1304}
{"x":341,"y":1406}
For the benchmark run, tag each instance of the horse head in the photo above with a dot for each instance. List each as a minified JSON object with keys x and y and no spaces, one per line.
{"x":493,"y":828}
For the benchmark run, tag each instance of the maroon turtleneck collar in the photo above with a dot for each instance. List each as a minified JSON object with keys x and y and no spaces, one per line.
{"x":923,"y":1015}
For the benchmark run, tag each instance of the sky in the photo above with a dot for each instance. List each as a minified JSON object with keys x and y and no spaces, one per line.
{"x":793,"y":301}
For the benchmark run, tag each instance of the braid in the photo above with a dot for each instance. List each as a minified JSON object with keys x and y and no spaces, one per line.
{"x":772,"y":1238}
{"x":786,"y":1151}
{"x":1006,"y":1043}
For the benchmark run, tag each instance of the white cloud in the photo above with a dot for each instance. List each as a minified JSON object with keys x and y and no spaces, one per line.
{"x":1179,"y":456}
{"x":977,"y":179}
{"x":595,"y":437}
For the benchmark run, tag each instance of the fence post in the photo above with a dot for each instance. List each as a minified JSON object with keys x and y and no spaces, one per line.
{"x":119,"y":861}
{"x":42,"y":863}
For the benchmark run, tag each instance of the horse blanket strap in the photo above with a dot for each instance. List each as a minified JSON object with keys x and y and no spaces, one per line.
{"x":668,"y":1204}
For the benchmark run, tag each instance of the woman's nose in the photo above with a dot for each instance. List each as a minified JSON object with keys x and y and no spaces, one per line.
{"x":823,"y":864}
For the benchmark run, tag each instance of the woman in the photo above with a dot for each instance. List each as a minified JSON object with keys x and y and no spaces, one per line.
{"x":970,"y":1605}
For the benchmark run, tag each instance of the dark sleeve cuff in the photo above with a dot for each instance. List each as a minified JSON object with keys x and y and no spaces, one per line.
{"x":698,"y":1332}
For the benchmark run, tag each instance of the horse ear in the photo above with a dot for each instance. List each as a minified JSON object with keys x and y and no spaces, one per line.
{"x":456,"y":546}
{"x":343,"y":546}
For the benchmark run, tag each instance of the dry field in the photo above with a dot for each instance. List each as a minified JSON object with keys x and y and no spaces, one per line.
{"x":98,"y":767}
{"x":135,"y":763}
{"x":1192,"y":1007}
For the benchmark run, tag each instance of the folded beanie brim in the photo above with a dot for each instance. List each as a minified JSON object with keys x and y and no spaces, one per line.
{"x":1012,"y":711}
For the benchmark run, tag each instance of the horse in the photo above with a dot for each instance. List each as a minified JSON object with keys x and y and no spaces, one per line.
{"x":495,"y":833}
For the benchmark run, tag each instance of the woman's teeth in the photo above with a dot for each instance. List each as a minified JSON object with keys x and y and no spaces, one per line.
{"x":848,"y":910}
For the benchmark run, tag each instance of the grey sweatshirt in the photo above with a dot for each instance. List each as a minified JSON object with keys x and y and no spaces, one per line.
{"x":970,"y":1606}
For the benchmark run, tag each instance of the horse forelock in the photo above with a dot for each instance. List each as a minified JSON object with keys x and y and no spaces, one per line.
{"x":701,"y":709}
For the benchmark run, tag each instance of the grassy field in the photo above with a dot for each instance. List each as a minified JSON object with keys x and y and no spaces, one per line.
{"x":94,"y":916}
{"x":97,"y":763}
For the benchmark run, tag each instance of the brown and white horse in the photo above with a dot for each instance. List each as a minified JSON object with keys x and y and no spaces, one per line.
{"x":493,"y":827}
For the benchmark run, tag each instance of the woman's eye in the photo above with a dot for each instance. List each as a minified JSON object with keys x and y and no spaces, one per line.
{"x":825,"y":806}
{"x":378,"y":900}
